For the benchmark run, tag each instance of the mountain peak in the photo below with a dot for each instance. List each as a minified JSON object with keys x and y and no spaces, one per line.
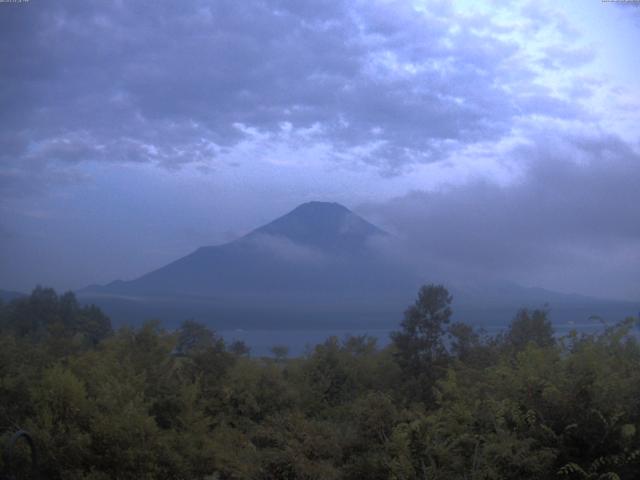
{"x":324,"y":225}
{"x":315,"y":205}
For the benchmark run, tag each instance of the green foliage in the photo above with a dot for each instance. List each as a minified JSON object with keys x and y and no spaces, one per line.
{"x":58,"y":319}
{"x":530,"y":327}
{"x":149,"y":404}
{"x":193,"y":338}
{"x":420,"y":348}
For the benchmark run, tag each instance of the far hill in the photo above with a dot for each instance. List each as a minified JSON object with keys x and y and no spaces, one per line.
{"x":319,"y":265}
{"x":8,"y":295}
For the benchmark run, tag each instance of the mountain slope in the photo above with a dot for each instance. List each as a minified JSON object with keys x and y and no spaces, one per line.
{"x":317,"y":265}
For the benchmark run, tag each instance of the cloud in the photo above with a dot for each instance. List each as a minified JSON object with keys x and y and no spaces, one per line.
{"x":287,"y":250}
{"x":173,"y":83}
{"x":562,"y":57}
{"x":570,"y":218}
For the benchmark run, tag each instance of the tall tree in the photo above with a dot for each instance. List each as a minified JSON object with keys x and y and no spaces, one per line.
{"x":421,"y":352}
{"x":530,"y":327}
{"x":194,"y":337}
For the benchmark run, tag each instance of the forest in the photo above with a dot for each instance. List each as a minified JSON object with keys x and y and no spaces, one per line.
{"x":442,"y":401}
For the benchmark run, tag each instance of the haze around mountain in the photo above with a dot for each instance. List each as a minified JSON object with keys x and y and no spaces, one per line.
{"x":319,"y":265}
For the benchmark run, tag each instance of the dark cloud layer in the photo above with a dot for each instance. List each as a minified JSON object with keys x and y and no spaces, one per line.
{"x":180,"y":82}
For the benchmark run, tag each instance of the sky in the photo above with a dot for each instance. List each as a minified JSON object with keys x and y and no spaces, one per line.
{"x":499,"y":137}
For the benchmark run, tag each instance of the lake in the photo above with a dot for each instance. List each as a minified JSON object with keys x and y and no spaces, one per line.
{"x":302,"y":340}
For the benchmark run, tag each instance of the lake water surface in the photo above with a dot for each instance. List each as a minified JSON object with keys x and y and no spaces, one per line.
{"x":300,"y":341}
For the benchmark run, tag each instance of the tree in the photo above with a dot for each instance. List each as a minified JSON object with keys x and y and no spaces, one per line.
{"x":420,"y":347}
{"x":45,"y":315}
{"x":280,"y":352}
{"x":464,"y":341}
{"x":533,"y":327}
{"x":330,"y":374}
{"x":239,"y":348}
{"x":194,"y":337}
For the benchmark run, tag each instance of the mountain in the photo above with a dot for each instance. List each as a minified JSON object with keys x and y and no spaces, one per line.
{"x":329,"y":227}
{"x":8,"y":295}
{"x":312,"y":250}
{"x":319,"y":265}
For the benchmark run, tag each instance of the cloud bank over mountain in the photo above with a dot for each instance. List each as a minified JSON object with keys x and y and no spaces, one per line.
{"x":571,"y":218}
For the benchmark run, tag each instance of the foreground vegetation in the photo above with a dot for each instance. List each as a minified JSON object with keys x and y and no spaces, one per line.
{"x":441,"y":402}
